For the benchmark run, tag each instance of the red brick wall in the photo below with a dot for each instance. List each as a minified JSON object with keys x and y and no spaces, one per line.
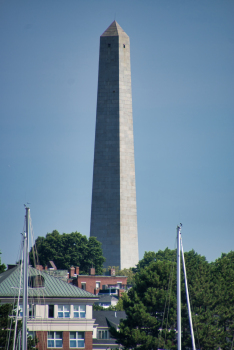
{"x":88,"y":340}
{"x":42,"y":337}
{"x":91,"y":281}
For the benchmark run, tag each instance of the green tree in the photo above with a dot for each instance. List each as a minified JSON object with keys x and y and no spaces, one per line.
{"x":7,"y":325}
{"x":144,"y":306}
{"x":119,"y":305}
{"x":2,"y":266}
{"x":68,"y":250}
{"x":129,"y":273}
{"x":150,"y":314}
{"x":206,"y":331}
{"x":222,"y":271}
{"x":149,"y":257}
{"x":97,"y":307}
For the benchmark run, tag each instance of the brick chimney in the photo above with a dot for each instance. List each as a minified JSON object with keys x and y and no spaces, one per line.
{"x":92,"y":271}
{"x":46,"y":268}
{"x":112,"y":271}
{"x":11,"y":266}
{"x":39,"y":267}
{"x":120,"y":292}
{"x":72,"y":271}
{"x":77,"y":270}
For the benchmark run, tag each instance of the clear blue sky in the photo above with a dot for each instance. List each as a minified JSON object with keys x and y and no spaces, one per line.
{"x":183,"y":110}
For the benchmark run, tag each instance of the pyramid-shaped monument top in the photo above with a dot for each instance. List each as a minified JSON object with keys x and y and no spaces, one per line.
{"x":114,"y":30}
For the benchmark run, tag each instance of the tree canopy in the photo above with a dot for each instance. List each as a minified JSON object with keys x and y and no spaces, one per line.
{"x":2,"y":266}
{"x":7,"y":325}
{"x":166,"y":255}
{"x":67,"y":250}
{"x":150,"y":304}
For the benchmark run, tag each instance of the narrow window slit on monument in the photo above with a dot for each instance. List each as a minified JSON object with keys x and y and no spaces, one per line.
{"x":124,"y":46}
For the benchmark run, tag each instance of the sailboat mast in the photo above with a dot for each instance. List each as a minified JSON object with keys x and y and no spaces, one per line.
{"x":25,"y":286}
{"x":178,"y":289}
{"x":187,"y":297}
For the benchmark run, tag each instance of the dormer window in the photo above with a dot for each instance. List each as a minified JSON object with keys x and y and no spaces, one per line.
{"x":37,"y":281}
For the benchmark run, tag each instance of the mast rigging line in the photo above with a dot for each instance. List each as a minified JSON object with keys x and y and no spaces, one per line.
{"x":169,"y":292}
{"x":19,"y":261}
{"x":40,"y":300}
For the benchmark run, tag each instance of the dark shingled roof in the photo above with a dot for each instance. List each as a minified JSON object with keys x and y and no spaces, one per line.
{"x":53,"y":287}
{"x":108,"y":318}
{"x":106,"y":298}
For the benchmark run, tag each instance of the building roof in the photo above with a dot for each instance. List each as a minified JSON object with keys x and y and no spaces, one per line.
{"x":106,"y":299}
{"x":105,"y":343}
{"x":53,"y":287}
{"x":108,"y":318}
{"x":114,"y":30}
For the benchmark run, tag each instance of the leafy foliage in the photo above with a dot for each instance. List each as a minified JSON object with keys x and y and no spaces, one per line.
{"x":151,"y":310}
{"x":222,"y":272}
{"x":129,"y":273}
{"x":7,"y":325}
{"x":2,"y":266}
{"x":166,"y":255}
{"x":97,"y":307}
{"x":144,"y":305}
{"x":68,"y":250}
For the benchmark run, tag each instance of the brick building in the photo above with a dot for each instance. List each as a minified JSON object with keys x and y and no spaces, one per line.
{"x":96,"y":284}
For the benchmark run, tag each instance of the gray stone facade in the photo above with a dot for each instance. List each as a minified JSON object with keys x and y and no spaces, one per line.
{"x":113,"y":213}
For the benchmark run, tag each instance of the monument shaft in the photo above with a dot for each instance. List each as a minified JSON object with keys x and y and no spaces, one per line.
{"x":113,"y":213}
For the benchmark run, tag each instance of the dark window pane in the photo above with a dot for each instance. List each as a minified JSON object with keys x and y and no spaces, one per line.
{"x":51,"y":311}
{"x":59,"y":335}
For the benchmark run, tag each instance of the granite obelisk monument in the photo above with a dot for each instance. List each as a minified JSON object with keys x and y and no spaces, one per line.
{"x":113,"y":212}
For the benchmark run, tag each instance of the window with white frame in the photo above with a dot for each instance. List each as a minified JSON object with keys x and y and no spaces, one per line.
{"x":55,"y":339}
{"x":77,"y":340}
{"x":63,"y":311}
{"x":79,"y":311}
{"x":103,"y":334}
{"x":98,"y":285}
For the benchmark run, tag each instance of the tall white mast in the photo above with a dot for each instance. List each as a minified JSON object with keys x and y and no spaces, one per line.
{"x":178,"y":289}
{"x":180,"y":248}
{"x":187,"y":297}
{"x":25,"y":286}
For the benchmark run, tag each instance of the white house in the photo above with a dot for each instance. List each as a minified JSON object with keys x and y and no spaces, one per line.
{"x":59,"y":313}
